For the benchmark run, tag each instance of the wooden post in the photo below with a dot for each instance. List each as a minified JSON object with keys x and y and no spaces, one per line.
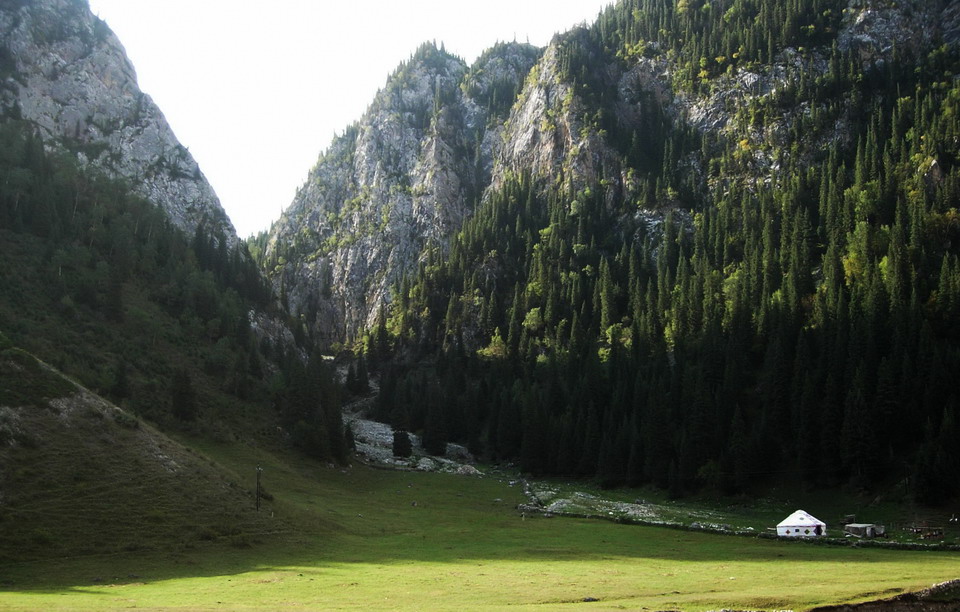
{"x":259,"y":471}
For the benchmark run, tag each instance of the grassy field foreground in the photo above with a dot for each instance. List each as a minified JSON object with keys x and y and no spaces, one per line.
{"x":370,"y":539}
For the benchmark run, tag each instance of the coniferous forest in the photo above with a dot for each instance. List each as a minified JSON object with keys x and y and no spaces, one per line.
{"x":99,"y":282}
{"x":728,"y":326}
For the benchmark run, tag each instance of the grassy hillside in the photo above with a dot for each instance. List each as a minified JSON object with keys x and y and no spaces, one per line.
{"x":80,"y":477}
{"x":372,"y":539}
{"x":146,"y":342}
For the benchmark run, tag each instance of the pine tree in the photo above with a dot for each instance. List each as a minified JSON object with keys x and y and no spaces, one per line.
{"x":401,"y":444}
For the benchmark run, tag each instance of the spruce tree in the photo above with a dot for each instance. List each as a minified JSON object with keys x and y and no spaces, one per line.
{"x":401,"y":444}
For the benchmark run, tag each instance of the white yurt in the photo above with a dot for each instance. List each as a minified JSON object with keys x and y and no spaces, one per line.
{"x":801,"y":524}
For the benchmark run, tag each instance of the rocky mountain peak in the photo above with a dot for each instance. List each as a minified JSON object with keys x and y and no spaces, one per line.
{"x":402,"y":179}
{"x":64,"y":71}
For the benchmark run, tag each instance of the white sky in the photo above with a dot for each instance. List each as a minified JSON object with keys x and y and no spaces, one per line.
{"x":257,"y":89}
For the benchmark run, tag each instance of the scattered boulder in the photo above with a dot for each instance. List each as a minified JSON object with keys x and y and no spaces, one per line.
{"x":459,"y":453}
{"x":426,"y":464}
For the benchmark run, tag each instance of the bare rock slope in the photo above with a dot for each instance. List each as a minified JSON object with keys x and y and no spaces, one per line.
{"x":400,"y":181}
{"x":63,"y":70}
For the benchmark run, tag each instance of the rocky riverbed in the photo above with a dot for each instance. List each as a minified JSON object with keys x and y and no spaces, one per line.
{"x":374,"y":442}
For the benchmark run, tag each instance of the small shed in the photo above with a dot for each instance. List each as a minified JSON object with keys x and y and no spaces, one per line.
{"x":865,"y":530}
{"x":801,"y":524}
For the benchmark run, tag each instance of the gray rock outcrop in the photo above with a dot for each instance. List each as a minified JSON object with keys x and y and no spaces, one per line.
{"x":874,"y":29}
{"x":548,"y":135}
{"x":63,"y":70}
{"x":400,"y":181}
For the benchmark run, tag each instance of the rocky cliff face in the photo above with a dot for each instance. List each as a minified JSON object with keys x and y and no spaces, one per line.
{"x":406,"y":176}
{"x":399,"y":181}
{"x":555,"y":131}
{"x":63,"y":70}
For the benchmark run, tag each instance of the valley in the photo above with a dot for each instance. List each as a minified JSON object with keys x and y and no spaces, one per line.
{"x":568,"y":325}
{"x":363,"y":538}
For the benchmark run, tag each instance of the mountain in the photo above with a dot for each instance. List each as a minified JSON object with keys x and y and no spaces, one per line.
{"x":400,"y":180}
{"x":120,"y":267}
{"x":698,"y":245}
{"x":404,"y":178}
{"x":716,"y":247}
{"x":132,"y":311}
{"x":66,"y":73}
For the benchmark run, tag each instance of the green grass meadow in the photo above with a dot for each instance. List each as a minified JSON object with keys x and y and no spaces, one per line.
{"x":362,"y":538}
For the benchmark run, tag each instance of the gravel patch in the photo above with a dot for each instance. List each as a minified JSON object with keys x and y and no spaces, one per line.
{"x":374,"y":442}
